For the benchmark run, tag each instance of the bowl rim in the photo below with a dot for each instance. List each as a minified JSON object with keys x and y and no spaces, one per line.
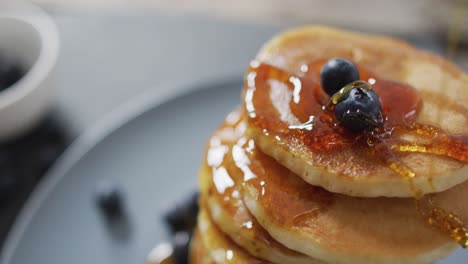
{"x":47,"y":31}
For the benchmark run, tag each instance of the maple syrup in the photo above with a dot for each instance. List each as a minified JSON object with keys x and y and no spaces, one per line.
{"x":232,"y":160}
{"x":308,"y":119}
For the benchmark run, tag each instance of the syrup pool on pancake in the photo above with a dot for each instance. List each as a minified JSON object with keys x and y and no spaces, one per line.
{"x":325,"y":135}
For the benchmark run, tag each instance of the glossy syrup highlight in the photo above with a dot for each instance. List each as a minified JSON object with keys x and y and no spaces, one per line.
{"x":229,"y":163}
{"x":319,"y":131}
{"x":251,"y":170}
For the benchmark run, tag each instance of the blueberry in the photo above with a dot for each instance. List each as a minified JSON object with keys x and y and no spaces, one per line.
{"x":359,"y":110}
{"x":10,"y":73}
{"x":4,"y":159}
{"x":109,"y":198}
{"x":336,"y":73}
{"x":47,"y":154}
{"x":193,"y":204}
{"x":180,"y":244}
{"x":8,"y":184}
{"x":183,"y":216}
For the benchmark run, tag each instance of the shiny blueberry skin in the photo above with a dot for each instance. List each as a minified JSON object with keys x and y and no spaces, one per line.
{"x":336,"y":73}
{"x":359,"y":110}
{"x":109,"y":198}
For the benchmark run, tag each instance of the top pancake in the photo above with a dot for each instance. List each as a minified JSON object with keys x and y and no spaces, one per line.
{"x":351,"y":171}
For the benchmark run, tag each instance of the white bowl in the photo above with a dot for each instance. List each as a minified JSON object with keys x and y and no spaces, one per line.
{"x":27,"y":35}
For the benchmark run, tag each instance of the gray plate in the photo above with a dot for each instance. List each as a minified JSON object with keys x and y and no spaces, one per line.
{"x":154,"y":151}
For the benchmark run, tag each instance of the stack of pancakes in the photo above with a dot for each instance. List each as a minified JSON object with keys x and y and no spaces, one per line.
{"x":270,"y":199}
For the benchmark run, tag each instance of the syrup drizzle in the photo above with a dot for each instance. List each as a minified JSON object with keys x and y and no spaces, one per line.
{"x":436,"y":216}
{"x":319,"y":131}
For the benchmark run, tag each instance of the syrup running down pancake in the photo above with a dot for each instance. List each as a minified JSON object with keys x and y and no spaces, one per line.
{"x":224,"y":200}
{"x":330,"y":227}
{"x":423,"y":147}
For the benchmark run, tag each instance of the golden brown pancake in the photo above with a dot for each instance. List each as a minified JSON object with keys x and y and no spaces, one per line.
{"x":331,"y":227}
{"x":219,"y":247}
{"x":279,"y":101}
{"x":343,"y":229}
{"x":223,"y":199}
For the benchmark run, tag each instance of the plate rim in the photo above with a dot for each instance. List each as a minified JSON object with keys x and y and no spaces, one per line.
{"x":104,"y":127}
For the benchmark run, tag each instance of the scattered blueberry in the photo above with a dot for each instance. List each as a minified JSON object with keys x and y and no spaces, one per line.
{"x":359,"y":110}
{"x":52,"y":129}
{"x":181,"y":221}
{"x":8,"y":185}
{"x":336,"y":73}
{"x":21,"y":167}
{"x":180,"y":243}
{"x":109,"y":198}
{"x":10,"y":73}
{"x":48,"y":154}
{"x":4,"y":158}
{"x":183,"y":216}
{"x":193,"y":203}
